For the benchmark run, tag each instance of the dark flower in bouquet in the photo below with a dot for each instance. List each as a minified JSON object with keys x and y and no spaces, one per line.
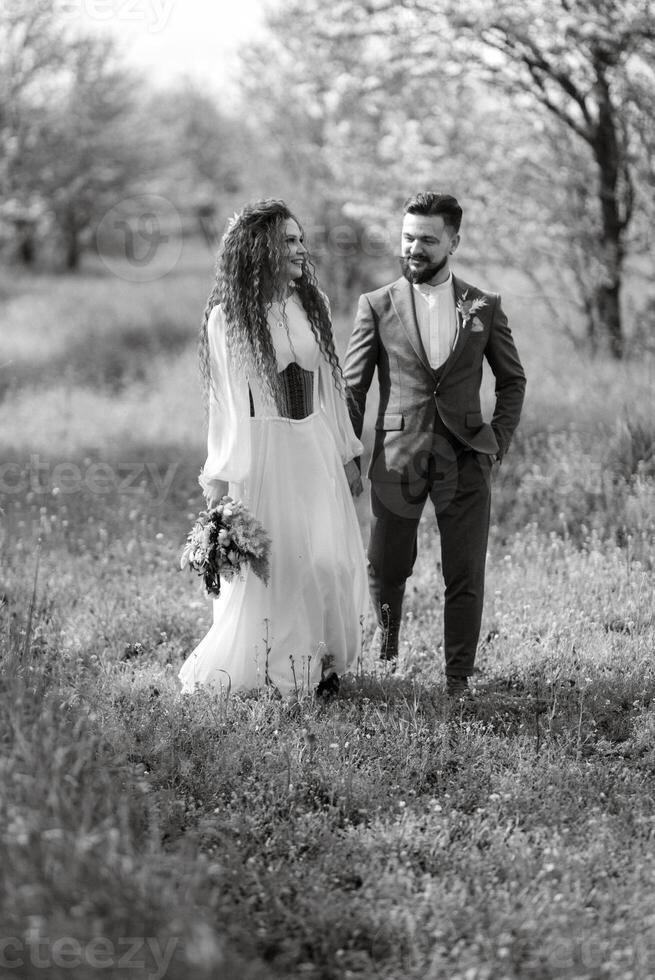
{"x":223,"y":541}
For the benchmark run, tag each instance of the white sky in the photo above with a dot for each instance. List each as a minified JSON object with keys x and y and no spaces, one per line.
{"x":176,"y":38}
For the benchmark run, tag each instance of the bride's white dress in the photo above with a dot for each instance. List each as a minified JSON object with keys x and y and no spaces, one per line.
{"x":289,"y":473}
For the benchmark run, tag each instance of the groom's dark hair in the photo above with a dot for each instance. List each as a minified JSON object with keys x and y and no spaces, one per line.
{"x":430,"y":202}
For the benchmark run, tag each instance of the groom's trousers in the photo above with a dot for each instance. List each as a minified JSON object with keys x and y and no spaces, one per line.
{"x":458,"y":482}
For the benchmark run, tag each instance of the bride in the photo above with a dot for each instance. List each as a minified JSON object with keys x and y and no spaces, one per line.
{"x":280,"y":439}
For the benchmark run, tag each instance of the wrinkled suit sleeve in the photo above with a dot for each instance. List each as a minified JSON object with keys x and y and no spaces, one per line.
{"x":361,"y":360}
{"x":334,"y":408}
{"x":503,"y":360}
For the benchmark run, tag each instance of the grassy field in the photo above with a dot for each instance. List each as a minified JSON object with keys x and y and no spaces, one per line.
{"x":388,"y":834}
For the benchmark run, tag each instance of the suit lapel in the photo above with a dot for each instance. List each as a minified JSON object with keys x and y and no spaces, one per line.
{"x":402,"y":300}
{"x":462,"y":334}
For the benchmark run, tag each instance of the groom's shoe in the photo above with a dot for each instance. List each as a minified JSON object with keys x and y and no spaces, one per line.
{"x":457,"y":686}
{"x":384,"y":645}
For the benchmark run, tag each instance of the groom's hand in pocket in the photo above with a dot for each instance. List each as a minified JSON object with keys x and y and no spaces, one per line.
{"x":354,"y":478}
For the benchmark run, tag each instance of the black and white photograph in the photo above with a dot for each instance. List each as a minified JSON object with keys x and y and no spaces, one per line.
{"x":327,"y":490}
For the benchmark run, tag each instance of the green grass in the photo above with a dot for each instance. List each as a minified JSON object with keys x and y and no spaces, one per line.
{"x":388,"y":834}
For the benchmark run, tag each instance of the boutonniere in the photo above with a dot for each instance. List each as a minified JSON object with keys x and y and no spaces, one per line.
{"x":467,"y":308}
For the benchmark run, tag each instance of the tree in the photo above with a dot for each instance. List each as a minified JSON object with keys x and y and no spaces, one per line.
{"x":575,"y":76}
{"x":335,"y":137}
{"x":87,"y":155}
{"x":576,"y":58}
{"x":202,"y":151}
{"x":32,"y":53}
{"x":72,"y":142}
{"x":353,"y":133}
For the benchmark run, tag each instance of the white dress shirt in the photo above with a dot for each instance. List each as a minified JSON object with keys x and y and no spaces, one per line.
{"x":437,"y":319}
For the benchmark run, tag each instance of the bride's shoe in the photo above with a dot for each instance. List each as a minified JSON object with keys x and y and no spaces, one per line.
{"x":328,"y":687}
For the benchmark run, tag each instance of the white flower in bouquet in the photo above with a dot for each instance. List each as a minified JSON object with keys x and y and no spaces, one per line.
{"x":223,"y":542}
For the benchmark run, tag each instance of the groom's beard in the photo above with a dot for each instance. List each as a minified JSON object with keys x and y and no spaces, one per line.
{"x":425,"y":273}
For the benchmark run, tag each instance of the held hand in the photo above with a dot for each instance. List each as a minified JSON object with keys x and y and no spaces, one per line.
{"x":354,"y":478}
{"x":214,"y":491}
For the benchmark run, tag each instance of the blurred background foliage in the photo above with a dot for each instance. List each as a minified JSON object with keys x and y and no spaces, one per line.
{"x":537,"y":115}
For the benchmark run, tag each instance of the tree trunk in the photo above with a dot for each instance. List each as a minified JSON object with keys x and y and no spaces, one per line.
{"x":72,"y":249}
{"x":591,"y":316}
{"x":609,"y":313}
{"x":607,"y":152}
{"x":25,"y":240}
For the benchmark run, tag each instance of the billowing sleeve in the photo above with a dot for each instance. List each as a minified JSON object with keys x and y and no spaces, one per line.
{"x":228,"y":436}
{"x":333,"y":403}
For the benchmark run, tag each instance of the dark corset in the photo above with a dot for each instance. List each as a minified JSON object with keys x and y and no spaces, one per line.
{"x":297,"y":389}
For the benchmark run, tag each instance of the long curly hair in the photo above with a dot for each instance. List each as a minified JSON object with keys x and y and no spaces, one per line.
{"x":248,"y":271}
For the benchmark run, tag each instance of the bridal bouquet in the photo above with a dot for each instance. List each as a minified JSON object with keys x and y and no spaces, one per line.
{"x":223,"y":541}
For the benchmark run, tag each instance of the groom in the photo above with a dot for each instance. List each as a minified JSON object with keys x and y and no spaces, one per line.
{"x":428,"y":334}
